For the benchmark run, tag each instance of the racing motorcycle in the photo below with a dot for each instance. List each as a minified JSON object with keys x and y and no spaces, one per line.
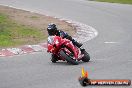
{"x":63,"y":49}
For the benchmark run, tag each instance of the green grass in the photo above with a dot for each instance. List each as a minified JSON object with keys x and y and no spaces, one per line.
{"x":34,"y":17}
{"x":117,"y":1}
{"x":14,"y":34}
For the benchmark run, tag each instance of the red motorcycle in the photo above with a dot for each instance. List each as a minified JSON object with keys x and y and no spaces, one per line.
{"x":63,"y":49}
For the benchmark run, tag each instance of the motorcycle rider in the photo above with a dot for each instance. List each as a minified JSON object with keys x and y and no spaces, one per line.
{"x":52,"y":30}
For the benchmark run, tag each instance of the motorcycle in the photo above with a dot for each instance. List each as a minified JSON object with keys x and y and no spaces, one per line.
{"x":63,"y":49}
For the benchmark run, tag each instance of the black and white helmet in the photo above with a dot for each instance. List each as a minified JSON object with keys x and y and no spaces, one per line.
{"x":51,"y":28}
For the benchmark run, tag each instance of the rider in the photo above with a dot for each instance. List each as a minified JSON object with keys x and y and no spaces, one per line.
{"x":52,"y":30}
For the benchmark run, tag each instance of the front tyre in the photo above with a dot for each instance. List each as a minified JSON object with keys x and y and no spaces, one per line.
{"x":86,"y":56}
{"x":68,"y":58}
{"x":54,"y":58}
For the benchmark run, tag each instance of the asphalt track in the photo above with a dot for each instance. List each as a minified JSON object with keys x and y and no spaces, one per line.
{"x":111,"y":50}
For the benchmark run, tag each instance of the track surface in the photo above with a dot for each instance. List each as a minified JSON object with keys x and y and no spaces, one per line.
{"x":111,"y":50}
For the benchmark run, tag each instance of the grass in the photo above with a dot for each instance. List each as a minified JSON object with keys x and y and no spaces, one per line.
{"x":34,"y":17}
{"x":14,"y":34}
{"x":117,"y":1}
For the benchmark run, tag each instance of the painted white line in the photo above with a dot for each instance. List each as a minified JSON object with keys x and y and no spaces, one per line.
{"x":36,"y":48}
{"x":110,"y":42}
{"x":16,"y":51}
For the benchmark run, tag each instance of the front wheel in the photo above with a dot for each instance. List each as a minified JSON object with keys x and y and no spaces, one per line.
{"x":68,"y":58}
{"x":54,"y":58}
{"x":86,"y":57}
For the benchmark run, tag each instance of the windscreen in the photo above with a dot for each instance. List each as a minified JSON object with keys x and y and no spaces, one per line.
{"x":51,"y":39}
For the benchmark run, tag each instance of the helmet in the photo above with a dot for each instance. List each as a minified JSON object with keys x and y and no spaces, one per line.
{"x":51,"y":29}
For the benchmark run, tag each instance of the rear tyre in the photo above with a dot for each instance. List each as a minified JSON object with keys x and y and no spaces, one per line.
{"x":54,"y":58}
{"x":86,"y":57}
{"x":68,"y":58}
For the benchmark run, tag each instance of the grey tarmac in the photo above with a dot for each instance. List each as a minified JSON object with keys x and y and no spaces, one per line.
{"x":108,"y":60}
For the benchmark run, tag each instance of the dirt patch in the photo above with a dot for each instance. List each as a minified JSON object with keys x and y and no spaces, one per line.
{"x":35,"y":20}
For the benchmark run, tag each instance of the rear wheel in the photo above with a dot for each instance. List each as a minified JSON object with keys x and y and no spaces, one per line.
{"x":86,"y":57}
{"x":68,"y":58}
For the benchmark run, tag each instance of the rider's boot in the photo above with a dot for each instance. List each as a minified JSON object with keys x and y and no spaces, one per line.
{"x":78,"y":44}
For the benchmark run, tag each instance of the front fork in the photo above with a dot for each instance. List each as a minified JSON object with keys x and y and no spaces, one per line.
{"x":81,"y":54}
